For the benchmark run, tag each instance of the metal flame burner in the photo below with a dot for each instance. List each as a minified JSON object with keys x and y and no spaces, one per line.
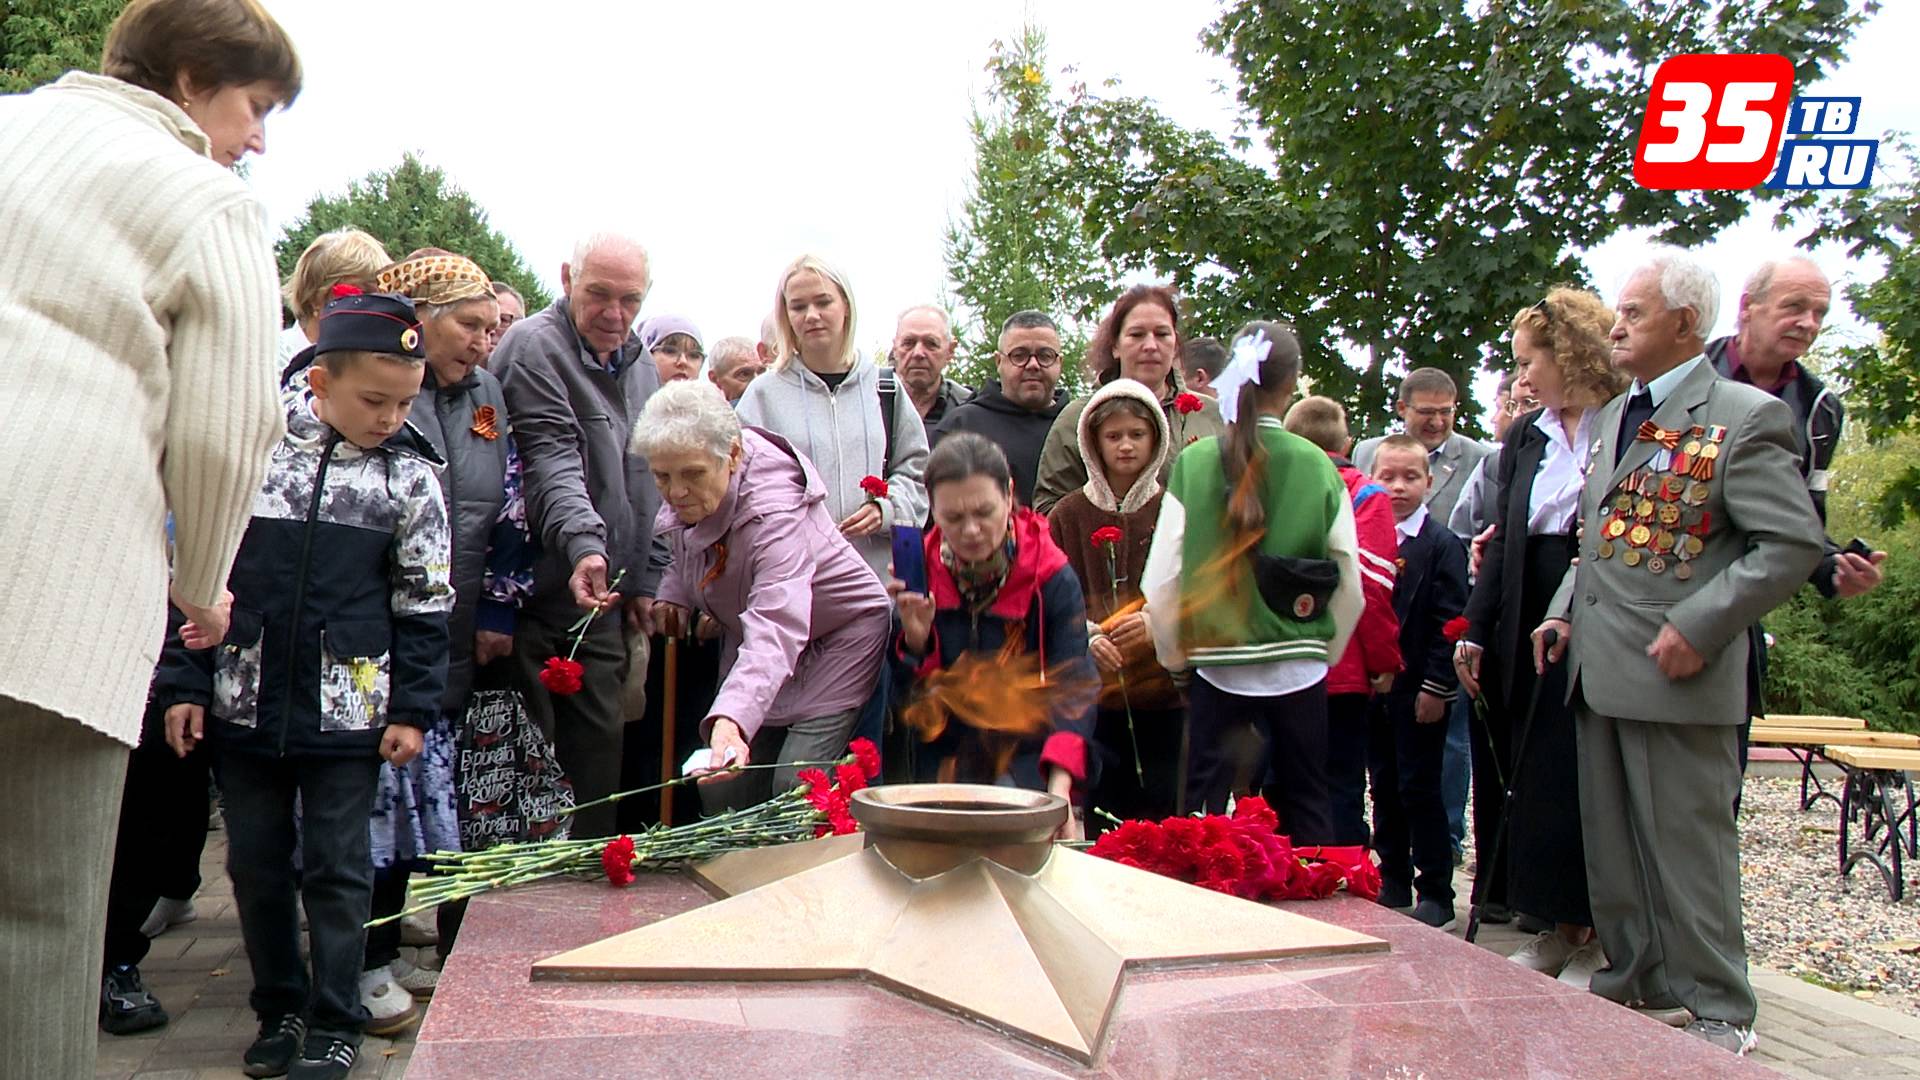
{"x":1049,"y":931}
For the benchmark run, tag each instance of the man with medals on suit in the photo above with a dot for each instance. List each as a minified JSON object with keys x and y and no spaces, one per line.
{"x":1694,"y":523}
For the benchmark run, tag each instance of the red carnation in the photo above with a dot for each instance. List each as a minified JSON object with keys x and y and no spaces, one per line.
{"x":867,"y":756}
{"x":345,"y":289}
{"x":1254,"y":810}
{"x":850,"y":778}
{"x":1188,"y":403}
{"x":1107,"y":536}
{"x":617,"y":860}
{"x":875,"y":487}
{"x":816,"y":782}
{"x":1455,"y":628}
{"x":562,"y":676}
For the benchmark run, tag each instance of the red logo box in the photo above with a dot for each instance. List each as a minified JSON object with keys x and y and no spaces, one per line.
{"x":1714,"y":121}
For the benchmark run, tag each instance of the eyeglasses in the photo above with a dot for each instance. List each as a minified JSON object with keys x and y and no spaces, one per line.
{"x":1545,"y":311}
{"x":1516,"y":406}
{"x":1430,"y":413}
{"x":1022,"y":357}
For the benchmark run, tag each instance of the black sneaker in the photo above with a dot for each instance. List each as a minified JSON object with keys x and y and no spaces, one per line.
{"x":279,"y":1043}
{"x":1497,"y":915}
{"x":1396,"y":895}
{"x":125,"y":1004}
{"x":326,"y":1057}
{"x":1434,"y":914}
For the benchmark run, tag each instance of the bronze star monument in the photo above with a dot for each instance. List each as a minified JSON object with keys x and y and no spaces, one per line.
{"x":954,"y":894}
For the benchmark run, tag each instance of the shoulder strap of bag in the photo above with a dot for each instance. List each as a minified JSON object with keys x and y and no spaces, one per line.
{"x":889,"y":399}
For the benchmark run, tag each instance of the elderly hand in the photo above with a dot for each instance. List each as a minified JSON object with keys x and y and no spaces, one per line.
{"x":1856,"y":574}
{"x":916,"y":616}
{"x":1466,"y":664}
{"x":205,"y":626}
{"x":489,"y":645}
{"x":862,"y":522}
{"x":639,"y":614}
{"x":589,"y":583}
{"x":1543,"y":656}
{"x":401,"y":743}
{"x":671,"y":620}
{"x":1477,"y":550}
{"x":726,"y":738}
{"x":706,"y":627}
{"x":186,"y":726}
{"x":1676,"y":656}
{"x":1106,"y":654}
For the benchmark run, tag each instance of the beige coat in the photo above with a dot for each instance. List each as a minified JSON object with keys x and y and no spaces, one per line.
{"x":137,"y":322}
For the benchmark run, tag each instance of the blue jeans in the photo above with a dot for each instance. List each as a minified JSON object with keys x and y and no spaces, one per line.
{"x":1456,"y":771}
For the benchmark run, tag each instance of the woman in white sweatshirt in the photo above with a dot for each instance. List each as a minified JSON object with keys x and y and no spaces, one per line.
{"x":137,"y":323}
{"x":847,"y":415}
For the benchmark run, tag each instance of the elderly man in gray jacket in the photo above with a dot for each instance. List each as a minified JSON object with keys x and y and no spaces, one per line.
{"x":1695,"y":523}
{"x":576,"y":378}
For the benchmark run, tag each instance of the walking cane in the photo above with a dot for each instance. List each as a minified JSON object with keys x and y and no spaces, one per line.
{"x":669,"y":717}
{"x":1549,"y":640}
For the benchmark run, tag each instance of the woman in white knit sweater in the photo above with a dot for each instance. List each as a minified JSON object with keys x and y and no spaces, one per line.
{"x":137,"y":323}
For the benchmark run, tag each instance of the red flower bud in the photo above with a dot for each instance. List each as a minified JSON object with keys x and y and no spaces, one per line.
{"x":561,"y":675}
{"x":617,"y":860}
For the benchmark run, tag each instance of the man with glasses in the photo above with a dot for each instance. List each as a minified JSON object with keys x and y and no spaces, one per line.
{"x":1017,"y":409}
{"x":1427,"y":406}
{"x":922,"y":349}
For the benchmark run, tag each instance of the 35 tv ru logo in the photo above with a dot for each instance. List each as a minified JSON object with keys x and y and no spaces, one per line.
{"x":1718,"y":121}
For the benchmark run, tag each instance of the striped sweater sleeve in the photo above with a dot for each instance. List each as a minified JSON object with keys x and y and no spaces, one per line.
{"x":223,"y":414}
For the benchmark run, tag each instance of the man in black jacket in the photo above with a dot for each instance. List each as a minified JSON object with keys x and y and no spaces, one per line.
{"x":1017,"y":409}
{"x":1782,"y":307}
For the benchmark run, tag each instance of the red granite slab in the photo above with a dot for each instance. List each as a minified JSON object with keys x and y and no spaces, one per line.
{"x":1432,"y":1007}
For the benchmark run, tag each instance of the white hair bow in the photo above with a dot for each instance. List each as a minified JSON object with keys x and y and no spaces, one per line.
{"x":1248,"y":354}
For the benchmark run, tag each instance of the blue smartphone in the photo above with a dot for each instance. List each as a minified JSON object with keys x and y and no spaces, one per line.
{"x":910,"y":558}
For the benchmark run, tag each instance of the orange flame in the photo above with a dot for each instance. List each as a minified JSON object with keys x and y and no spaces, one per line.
{"x":1002,"y":699}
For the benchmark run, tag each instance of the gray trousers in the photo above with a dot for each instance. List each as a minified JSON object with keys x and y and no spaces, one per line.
{"x":818,"y":738}
{"x":1663,"y":863}
{"x":588,"y":729}
{"x":63,"y":784}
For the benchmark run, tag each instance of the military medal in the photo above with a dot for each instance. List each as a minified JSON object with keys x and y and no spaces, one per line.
{"x":1683,"y":571}
{"x":1693,"y":546}
{"x":1623,"y":503}
{"x":1662,"y":541}
{"x":1683,"y":460}
{"x":1639,"y":536}
{"x":1613,"y":528}
{"x":1606,"y":549}
{"x":1698,"y":493}
{"x":1656,"y":565}
{"x":1643,"y":509}
{"x":1670,"y":515}
{"x":1631,"y":557}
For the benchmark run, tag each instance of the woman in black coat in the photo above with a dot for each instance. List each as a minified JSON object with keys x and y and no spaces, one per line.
{"x":1562,"y":349}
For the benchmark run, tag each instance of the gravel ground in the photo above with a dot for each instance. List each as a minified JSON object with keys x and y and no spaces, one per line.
{"x":1803,"y":919}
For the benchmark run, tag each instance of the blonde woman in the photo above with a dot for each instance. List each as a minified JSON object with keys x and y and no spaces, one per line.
{"x":341,"y":257}
{"x":835,"y":406}
{"x":1561,"y":349}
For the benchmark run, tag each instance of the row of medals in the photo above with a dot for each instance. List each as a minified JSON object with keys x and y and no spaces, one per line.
{"x":1644,"y":518}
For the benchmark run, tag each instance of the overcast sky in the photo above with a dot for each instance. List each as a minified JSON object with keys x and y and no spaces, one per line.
{"x":731,"y":137}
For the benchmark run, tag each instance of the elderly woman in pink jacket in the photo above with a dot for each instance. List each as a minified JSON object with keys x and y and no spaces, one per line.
{"x":802,"y":619}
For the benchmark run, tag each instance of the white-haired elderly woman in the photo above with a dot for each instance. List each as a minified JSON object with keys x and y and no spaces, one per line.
{"x":802,"y":619}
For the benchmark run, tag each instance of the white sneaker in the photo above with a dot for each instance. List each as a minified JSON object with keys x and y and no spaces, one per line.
{"x":390,"y":1009}
{"x":419,"y":929}
{"x":1547,"y":953}
{"x":1580,"y":968}
{"x":1734,"y":1039}
{"x":416,"y":977}
{"x":168,"y":912}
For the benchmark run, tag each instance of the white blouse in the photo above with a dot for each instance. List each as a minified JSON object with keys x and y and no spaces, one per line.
{"x":1555,"y":501}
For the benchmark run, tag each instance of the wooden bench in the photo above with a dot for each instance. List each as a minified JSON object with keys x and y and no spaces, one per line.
{"x":1807,"y":744}
{"x":1790,"y":720}
{"x":1876,"y":777}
